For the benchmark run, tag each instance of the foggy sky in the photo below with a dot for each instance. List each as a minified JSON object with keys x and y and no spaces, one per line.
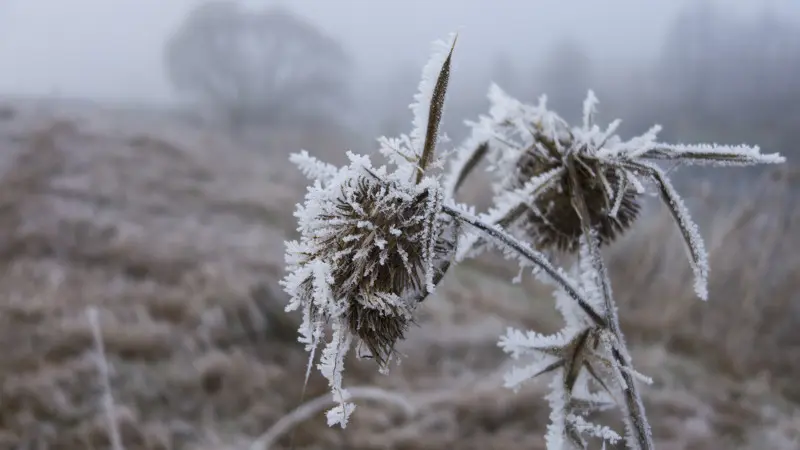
{"x":111,"y":49}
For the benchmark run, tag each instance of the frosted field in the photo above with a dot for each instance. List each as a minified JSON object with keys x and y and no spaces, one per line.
{"x":175,"y":234}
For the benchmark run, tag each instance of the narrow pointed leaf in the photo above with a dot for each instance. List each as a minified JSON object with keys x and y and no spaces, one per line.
{"x":694,"y":242}
{"x":435,"y":114}
{"x":703,"y":154}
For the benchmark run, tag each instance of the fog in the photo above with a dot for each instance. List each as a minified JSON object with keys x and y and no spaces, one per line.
{"x":112,"y":49}
{"x":675,"y":62}
{"x":147,"y":194}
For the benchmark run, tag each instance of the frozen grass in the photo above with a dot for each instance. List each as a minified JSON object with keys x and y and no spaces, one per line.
{"x":179,"y":245}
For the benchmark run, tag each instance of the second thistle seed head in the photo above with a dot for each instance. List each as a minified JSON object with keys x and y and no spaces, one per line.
{"x":551,"y":172}
{"x":552,"y":221}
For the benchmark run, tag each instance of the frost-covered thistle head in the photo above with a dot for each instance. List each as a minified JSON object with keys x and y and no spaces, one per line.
{"x":376,"y":238}
{"x":556,"y":183}
{"x":552,"y":221}
{"x":373,"y":241}
{"x":529,"y":143}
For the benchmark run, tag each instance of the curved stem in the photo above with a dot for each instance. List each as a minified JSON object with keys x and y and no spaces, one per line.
{"x":468,"y":166}
{"x":308,"y":409}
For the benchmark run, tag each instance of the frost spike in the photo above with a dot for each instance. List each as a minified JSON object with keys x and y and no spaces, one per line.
{"x":589,"y":109}
{"x":623,"y":185}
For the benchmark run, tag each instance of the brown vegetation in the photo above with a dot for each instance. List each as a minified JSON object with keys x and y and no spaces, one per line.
{"x":176,"y":236}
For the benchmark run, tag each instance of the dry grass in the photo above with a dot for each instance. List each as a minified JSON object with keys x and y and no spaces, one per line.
{"x":176,"y":237}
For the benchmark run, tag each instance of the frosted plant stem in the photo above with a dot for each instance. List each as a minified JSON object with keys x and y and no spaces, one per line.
{"x":636,"y":420}
{"x":536,"y":258}
{"x":102,"y":367}
{"x":311,"y":407}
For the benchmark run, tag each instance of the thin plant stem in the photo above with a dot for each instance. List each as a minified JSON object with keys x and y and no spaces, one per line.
{"x":102,"y":367}
{"x":532,"y":256}
{"x":637,"y":417}
{"x":637,"y":423}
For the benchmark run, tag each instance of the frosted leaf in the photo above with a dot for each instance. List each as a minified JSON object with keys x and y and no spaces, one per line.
{"x":518,"y":343}
{"x":603,"y":432}
{"x":643,"y":143}
{"x":313,"y":168}
{"x":311,"y":338}
{"x":321,"y":280}
{"x":515,"y":377}
{"x":694,"y":242}
{"x":715,"y":155}
{"x":637,"y":375}
{"x":434,"y":228}
{"x":503,"y":105}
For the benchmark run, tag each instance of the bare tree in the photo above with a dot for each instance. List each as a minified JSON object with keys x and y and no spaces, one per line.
{"x":256,"y":67}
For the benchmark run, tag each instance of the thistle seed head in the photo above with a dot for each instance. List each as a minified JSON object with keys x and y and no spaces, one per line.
{"x":551,"y":221}
{"x":381,"y":240}
{"x":388,"y":236}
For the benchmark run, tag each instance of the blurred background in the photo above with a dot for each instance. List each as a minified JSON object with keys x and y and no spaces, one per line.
{"x":144,"y":172}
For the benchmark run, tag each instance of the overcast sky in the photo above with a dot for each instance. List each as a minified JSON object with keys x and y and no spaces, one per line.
{"x":111,"y":49}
